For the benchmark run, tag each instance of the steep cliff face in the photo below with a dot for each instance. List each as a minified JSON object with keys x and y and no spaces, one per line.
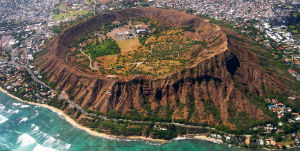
{"x":212,"y":91}
{"x":213,"y":81}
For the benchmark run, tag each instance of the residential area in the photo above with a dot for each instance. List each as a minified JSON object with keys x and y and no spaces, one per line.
{"x":16,"y":80}
{"x":26,"y":28}
{"x":234,"y":10}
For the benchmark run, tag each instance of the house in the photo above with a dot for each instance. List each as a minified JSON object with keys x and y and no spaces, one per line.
{"x":297,"y":140}
{"x":143,"y":31}
{"x":261,"y":142}
{"x":291,"y":121}
{"x":271,"y":106}
{"x":30,"y":57}
{"x":268,"y":143}
{"x":227,"y":138}
{"x":213,"y":135}
{"x":260,"y":127}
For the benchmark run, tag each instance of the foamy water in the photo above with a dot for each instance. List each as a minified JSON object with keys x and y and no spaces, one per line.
{"x":24,"y":119}
{"x":27,"y":142}
{"x":3,"y":119}
{"x":2,"y":107}
{"x":26,"y":127}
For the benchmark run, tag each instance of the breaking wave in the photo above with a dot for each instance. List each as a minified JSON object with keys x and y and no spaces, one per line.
{"x":2,"y":107}
{"x":24,"y":119}
{"x":3,"y":119}
{"x":16,"y":104}
{"x":27,"y":142}
{"x":39,"y":147}
{"x":21,"y":105}
{"x":24,"y":106}
{"x":49,"y":141}
{"x":12,"y":111}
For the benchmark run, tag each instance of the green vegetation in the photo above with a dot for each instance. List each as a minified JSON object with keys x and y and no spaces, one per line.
{"x":21,"y":36}
{"x":63,"y":15}
{"x":158,"y":53}
{"x":242,"y":119}
{"x":190,"y":102}
{"x":222,"y":23}
{"x":109,"y":26}
{"x":271,"y":65}
{"x":64,"y":25}
{"x":168,"y":134}
{"x":118,"y":128}
{"x":106,"y":47}
{"x":294,"y":23}
{"x":57,"y":103}
{"x":143,"y":39}
{"x":210,"y":108}
{"x":148,"y":129}
{"x":189,"y":28}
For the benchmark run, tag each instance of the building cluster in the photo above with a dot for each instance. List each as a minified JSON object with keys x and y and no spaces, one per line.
{"x":26,"y":26}
{"x":283,"y":45}
{"x":69,"y":10}
{"x":268,"y":15}
{"x":26,"y":11}
{"x":294,"y":74}
{"x":143,"y":31}
{"x":159,"y":127}
{"x":234,"y":10}
{"x":286,"y":43}
{"x":19,"y":82}
{"x":281,"y":110}
{"x":261,"y":141}
{"x":231,"y":139}
{"x":267,"y":128}
{"x":128,"y":34}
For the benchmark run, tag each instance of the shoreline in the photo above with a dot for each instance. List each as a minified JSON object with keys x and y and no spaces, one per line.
{"x":81,"y":127}
{"x":107,"y":136}
{"x":66,"y":117}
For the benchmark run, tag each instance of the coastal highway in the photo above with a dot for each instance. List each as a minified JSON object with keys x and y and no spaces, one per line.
{"x":101,"y":116}
{"x":45,"y":85}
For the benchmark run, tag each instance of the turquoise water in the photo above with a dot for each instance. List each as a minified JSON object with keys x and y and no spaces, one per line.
{"x":26,"y":127}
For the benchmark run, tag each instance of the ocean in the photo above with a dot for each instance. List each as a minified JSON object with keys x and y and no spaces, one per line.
{"x":26,"y":127}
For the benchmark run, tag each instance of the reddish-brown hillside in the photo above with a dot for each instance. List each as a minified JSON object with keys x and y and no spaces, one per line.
{"x":216,"y":89}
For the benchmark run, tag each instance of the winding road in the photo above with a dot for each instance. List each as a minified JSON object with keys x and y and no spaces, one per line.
{"x":91,"y":61}
{"x":101,"y":116}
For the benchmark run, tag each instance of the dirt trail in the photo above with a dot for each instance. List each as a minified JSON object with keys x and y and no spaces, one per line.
{"x":91,"y":61}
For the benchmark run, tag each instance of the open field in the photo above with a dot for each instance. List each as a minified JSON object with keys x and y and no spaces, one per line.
{"x":128,"y":45}
{"x":70,"y":14}
{"x":159,"y":53}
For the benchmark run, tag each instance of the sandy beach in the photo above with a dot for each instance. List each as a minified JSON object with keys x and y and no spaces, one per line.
{"x":205,"y":138}
{"x":75,"y":124}
{"x":94,"y":133}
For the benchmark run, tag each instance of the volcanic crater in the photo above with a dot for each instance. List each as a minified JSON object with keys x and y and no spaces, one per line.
{"x":209,"y":82}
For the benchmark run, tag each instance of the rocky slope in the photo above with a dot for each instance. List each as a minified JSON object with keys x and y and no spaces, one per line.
{"x":214,"y":90}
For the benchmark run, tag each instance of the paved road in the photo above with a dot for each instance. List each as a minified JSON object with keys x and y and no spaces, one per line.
{"x":100,"y":116}
{"x":45,"y":85}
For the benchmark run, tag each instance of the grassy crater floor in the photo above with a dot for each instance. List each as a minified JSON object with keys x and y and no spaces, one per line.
{"x":120,"y":49}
